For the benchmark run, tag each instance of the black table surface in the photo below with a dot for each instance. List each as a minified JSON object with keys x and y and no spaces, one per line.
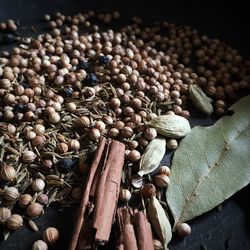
{"x":225,"y":229}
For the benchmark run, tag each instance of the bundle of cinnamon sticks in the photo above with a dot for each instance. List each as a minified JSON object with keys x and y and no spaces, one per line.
{"x":134,"y":231}
{"x":100,"y":196}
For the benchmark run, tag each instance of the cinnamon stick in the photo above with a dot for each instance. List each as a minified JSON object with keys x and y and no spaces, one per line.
{"x":143,"y":232}
{"x":100,"y":196}
{"x":85,"y":196}
{"x":129,"y":240}
{"x":108,"y":192}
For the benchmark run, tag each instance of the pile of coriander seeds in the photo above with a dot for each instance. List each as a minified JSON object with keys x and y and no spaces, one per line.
{"x":63,"y":90}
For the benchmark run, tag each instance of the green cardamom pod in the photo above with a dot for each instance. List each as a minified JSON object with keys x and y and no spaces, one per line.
{"x":200,"y":99}
{"x":152,"y":156}
{"x":173,"y":126}
{"x":159,"y":221}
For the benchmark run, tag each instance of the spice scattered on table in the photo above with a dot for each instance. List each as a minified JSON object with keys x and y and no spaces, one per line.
{"x":121,"y":95}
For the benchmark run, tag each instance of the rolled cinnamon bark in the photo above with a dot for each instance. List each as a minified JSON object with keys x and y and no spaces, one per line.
{"x":129,"y":239}
{"x":143,"y":232}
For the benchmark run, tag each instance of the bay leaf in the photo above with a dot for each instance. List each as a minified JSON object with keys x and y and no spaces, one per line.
{"x":159,"y":221}
{"x":152,"y":156}
{"x":200,"y":100}
{"x":210,"y":164}
{"x":173,"y":126}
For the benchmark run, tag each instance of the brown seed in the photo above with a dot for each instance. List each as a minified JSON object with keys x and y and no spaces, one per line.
{"x":34,"y":210}
{"x":134,"y":156}
{"x":7,"y":173}
{"x":161,"y":180}
{"x":42,"y":199}
{"x":54,"y":117}
{"x":14,"y":222}
{"x":39,"y":245}
{"x":74,"y":145}
{"x":5,"y":214}
{"x":164,"y":170}
{"x":38,"y":140}
{"x":172,"y":144}
{"x":126,"y":132}
{"x":94,"y":134}
{"x":11,"y":194}
{"x":183,"y":229}
{"x":28,"y":156}
{"x":51,"y":235}
{"x":62,"y":148}
{"x":148,"y":190}
{"x":38,"y":184}
{"x":150,"y":133}
{"x":124,"y":195}
{"x":24,"y":200}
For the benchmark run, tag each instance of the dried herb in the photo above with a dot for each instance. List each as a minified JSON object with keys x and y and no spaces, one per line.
{"x":210,"y":165}
{"x":173,"y":126}
{"x":152,"y":156}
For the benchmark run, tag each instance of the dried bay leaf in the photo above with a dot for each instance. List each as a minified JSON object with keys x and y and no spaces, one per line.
{"x":200,"y":100}
{"x":159,"y":221}
{"x":210,"y":165}
{"x":173,"y":126}
{"x":152,"y":156}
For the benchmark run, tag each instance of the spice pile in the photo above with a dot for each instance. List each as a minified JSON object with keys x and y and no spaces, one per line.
{"x":63,"y":91}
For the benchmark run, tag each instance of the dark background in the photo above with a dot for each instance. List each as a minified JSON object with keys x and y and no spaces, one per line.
{"x":225,"y":229}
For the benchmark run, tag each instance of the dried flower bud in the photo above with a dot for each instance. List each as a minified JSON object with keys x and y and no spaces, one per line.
{"x":134,"y":156}
{"x":39,"y":245}
{"x":5,"y":214}
{"x":54,"y":117}
{"x":51,"y":235}
{"x":157,"y":245}
{"x":42,"y":199}
{"x":14,"y":222}
{"x":124,"y":195}
{"x":172,"y":144}
{"x":7,"y":173}
{"x":28,"y":156}
{"x":74,"y":145}
{"x":62,"y":148}
{"x":183,"y":229}
{"x":164,"y":170}
{"x":148,"y":190}
{"x":34,"y":210}
{"x":38,"y":185}
{"x":161,"y":180}
{"x":150,"y":133}
{"x":94,"y":134}
{"x":11,"y":194}
{"x":126,"y":132}
{"x":24,"y":200}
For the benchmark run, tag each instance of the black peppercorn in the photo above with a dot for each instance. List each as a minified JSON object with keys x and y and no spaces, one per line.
{"x":19,"y":108}
{"x":84,"y":65}
{"x":67,"y":92}
{"x":92,"y":79}
{"x":24,"y":84}
{"x":103,"y":60}
{"x":65,"y":165}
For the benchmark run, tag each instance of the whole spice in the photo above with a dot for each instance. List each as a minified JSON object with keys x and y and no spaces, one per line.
{"x":183,"y":229}
{"x":51,"y":235}
{"x":173,"y":126}
{"x":148,"y":190}
{"x":34,"y":210}
{"x":5,"y":214}
{"x":24,"y":200}
{"x":172,"y":144}
{"x":152,"y":156}
{"x":39,"y":245}
{"x":38,"y":185}
{"x":161,"y":180}
{"x":7,"y":173}
{"x":124,"y":195}
{"x":14,"y":222}
{"x":28,"y":156}
{"x":11,"y":194}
